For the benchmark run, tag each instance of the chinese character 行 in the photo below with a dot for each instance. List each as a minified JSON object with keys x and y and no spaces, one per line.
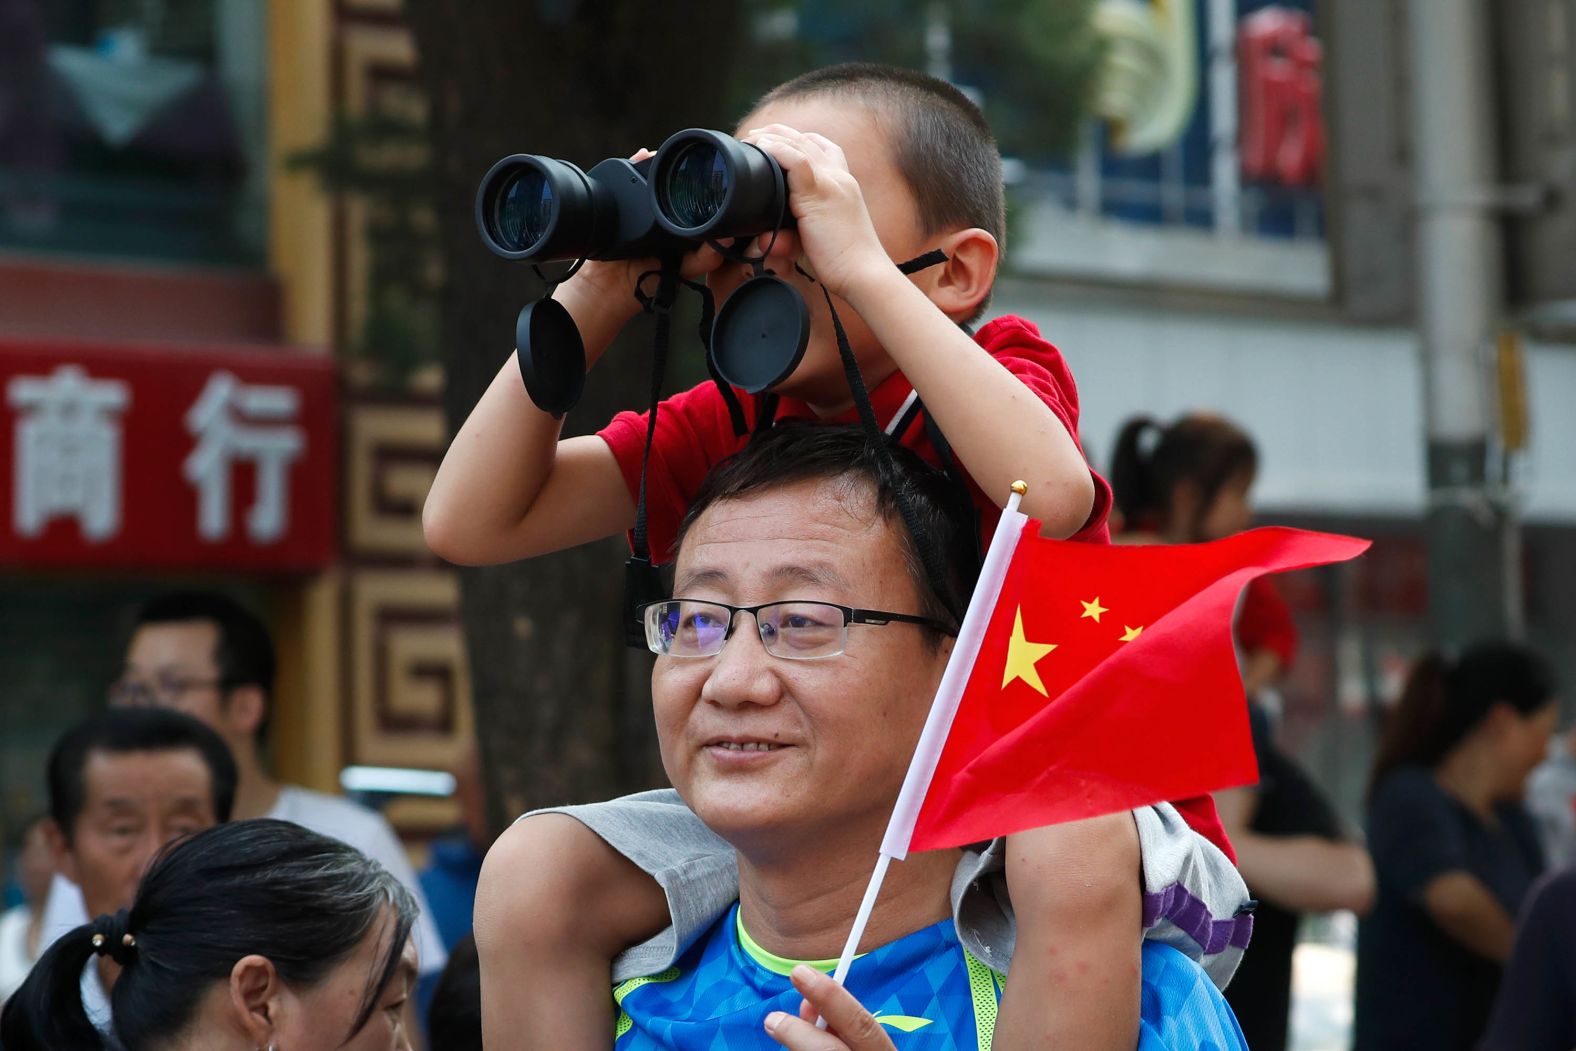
{"x":67,"y":451}
{"x":234,"y":422}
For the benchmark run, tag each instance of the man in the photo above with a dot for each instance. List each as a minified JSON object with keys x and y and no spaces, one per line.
{"x":202,"y":654}
{"x":121,"y":786}
{"x":796,"y":668}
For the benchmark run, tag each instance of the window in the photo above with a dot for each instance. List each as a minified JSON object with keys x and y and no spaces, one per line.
{"x":133,"y":128}
{"x":1205,"y":166}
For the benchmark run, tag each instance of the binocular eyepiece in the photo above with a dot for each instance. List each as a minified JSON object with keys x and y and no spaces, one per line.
{"x":701,"y":185}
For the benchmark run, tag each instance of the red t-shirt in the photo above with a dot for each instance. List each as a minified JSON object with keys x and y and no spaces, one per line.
{"x":1265,"y":622}
{"x":694,"y":431}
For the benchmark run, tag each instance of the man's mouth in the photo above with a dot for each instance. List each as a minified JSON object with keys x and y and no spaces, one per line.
{"x":745,"y":746}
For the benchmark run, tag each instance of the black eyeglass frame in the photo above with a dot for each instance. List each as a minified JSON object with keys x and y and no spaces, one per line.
{"x":851,"y":615}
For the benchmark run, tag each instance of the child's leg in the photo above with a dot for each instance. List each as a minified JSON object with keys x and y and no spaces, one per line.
{"x":554,"y":906}
{"x":1077,"y":892}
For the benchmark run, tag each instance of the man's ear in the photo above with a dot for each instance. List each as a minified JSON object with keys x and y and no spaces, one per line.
{"x":55,"y":836}
{"x":961,"y":284}
{"x":245,"y":707}
{"x":255,"y":993}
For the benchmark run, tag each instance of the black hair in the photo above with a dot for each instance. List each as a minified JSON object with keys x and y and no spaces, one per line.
{"x":1444,"y":700}
{"x":1152,"y":460}
{"x":272,"y":888}
{"x":244,"y":652}
{"x":122,"y":730}
{"x":798,"y":451}
{"x":941,"y":142}
{"x":454,"y":1021}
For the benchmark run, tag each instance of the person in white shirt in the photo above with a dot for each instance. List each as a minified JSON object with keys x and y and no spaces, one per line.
{"x":201,"y":653}
{"x":21,"y":927}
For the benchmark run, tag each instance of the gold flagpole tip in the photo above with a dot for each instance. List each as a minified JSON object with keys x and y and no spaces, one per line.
{"x":1020,"y":487}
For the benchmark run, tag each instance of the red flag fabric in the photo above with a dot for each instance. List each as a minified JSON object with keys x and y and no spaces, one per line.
{"x":1106,"y":679}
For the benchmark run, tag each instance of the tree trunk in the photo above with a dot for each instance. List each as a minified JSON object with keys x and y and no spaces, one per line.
{"x":562,"y":707}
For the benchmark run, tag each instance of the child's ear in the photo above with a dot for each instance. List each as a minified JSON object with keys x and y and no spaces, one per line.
{"x":965,"y":279}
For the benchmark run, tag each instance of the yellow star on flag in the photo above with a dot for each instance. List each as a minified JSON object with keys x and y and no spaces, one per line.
{"x":1022,"y":655}
{"x":1131,"y":633}
{"x":1092,"y":609}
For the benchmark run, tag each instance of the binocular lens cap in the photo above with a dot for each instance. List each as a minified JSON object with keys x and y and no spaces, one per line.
{"x":760,"y":333}
{"x":552,"y":356}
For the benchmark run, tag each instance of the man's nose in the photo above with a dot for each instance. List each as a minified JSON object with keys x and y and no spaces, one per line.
{"x":744,"y":673}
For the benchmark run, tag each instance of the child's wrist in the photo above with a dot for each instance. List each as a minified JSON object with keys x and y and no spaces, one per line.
{"x":869,"y":281}
{"x":600,"y":309}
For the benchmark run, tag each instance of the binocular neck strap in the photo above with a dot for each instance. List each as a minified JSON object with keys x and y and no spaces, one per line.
{"x":660,"y":304}
{"x":642,"y":581}
{"x":935,"y":571}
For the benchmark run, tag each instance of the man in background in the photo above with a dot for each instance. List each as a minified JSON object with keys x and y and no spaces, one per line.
{"x":203,"y":654}
{"x":122,"y":785}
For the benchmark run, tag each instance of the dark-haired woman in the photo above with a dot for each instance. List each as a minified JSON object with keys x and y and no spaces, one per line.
{"x":1455,"y":851}
{"x":255,"y":934}
{"x":1188,"y":482}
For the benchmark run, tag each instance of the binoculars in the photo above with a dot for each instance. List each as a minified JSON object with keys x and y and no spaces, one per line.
{"x":700,"y":186}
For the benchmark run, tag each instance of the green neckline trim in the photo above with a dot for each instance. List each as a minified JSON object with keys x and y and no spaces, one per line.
{"x":770,"y":960}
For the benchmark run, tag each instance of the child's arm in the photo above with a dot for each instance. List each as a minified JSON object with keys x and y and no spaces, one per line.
{"x":1077,"y":893}
{"x":554,"y":905}
{"x":999,"y":430}
{"x":508,"y":488}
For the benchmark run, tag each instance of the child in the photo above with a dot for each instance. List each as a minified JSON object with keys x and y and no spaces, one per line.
{"x":883,"y":165}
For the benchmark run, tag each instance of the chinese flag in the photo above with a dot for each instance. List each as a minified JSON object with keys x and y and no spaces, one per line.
{"x":1091,"y":679}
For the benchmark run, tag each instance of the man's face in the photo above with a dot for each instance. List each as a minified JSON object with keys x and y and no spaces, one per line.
{"x":173,"y":665}
{"x":841,"y":729}
{"x":866,"y":144}
{"x":134,"y":803}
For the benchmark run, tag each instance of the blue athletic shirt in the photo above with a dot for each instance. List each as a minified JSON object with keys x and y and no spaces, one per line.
{"x":926,"y":989}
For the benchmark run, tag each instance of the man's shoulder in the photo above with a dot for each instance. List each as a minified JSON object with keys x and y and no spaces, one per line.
{"x":331,"y":815}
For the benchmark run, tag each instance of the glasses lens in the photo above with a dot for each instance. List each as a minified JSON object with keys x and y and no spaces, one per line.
{"x":696,"y":184}
{"x":523,"y":210}
{"x":681,"y":628}
{"x":803,"y":630}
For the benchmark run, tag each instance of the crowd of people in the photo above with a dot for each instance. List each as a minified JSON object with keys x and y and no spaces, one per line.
{"x":823,"y":551}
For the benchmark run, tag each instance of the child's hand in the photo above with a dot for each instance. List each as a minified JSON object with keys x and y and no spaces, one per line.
{"x":849,"y":1026}
{"x":609,"y":286}
{"x":835,"y":229}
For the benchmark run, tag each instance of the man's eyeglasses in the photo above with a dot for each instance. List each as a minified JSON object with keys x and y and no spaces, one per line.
{"x":683,"y":627}
{"x":162,"y":691}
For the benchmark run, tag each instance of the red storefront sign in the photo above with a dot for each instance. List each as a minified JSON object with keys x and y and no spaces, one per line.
{"x":166,"y":457}
{"x":1280,"y":66}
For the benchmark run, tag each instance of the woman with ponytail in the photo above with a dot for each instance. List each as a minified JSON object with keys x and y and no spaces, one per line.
{"x":1186,"y":483}
{"x":250,"y":935}
{"x":1454,"y":849}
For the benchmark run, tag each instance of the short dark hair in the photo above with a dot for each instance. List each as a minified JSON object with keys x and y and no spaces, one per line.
{"x":123,"y":730}
{"x":302,"y":900}
{"x":244,"y":652}
{"x":941,"y":142}
{"x":798,"y":451}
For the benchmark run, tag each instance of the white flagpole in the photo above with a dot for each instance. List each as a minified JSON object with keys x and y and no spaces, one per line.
{"x":927,"y":753}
